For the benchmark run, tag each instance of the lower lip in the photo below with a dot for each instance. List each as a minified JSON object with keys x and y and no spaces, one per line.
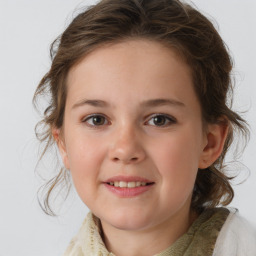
{"x":128,"y":192}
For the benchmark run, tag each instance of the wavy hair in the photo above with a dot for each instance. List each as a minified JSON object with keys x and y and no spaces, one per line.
{"x":178,"y":26}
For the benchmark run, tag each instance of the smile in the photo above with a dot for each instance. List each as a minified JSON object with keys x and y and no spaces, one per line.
{"x":130,"y":184}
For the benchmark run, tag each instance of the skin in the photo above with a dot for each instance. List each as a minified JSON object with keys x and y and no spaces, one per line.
{"x":127,"y":139}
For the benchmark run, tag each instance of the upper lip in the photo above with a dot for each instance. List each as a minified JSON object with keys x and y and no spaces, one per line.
{"x":128,"y":179}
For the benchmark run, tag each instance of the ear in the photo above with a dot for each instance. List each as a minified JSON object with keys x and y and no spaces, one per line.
{"x":215,"y":139}
{"x":57,"y":135}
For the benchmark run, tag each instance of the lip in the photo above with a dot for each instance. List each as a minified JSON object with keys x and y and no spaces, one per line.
{"x":128,"y":192}
{"x":127,"y":179}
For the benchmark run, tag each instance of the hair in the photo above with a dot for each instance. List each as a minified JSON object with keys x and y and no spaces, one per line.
{"x":176,"y":25}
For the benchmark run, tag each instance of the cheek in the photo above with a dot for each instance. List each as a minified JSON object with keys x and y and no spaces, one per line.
{"x":177,"y":160}
{"x":85,"y":167}
{"x":82,"y":150}
{"x":180,"y":150}
{"x":178,"y":173}
{"x":84,"y":159}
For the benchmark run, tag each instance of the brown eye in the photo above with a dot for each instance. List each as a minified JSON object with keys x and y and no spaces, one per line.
{"x":161,"y":120}
{"x":96,"y":120}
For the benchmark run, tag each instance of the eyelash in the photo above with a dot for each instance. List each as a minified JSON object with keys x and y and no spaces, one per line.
{"x":86,"y":120}
{"x":168,"y":120}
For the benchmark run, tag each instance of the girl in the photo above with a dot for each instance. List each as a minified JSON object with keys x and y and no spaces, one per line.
{"x":139,"y":112}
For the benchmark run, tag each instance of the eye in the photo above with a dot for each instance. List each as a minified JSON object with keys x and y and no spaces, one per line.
{"x":95,"y":120}
{"x":161,"y":120}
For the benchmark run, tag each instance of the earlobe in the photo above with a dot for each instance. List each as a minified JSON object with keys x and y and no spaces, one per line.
{"x":215,"y":140}
{"x":56,"y":133}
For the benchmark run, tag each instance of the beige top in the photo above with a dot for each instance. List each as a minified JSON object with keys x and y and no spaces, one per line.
{"x":198,"y":241}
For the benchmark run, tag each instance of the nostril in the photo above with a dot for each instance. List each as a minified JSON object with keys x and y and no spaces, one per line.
{"x":133,"y":159}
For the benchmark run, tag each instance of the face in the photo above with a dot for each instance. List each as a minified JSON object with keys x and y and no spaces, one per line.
{"x":132,"y":135}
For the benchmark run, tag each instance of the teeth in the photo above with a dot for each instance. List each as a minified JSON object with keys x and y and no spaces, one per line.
{"x":130,"y":184}
{"x":138,"y":183}
{"x":122,"y":184}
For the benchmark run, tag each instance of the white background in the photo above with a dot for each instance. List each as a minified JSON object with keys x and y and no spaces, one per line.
{"x":27,"y":27}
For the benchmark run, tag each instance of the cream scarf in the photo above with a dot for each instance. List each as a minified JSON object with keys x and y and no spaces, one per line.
{"x":200,"y":240}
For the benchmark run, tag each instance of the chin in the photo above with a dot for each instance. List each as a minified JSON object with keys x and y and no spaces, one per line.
{"x":131,"y":225}
{"x":128,"y":220}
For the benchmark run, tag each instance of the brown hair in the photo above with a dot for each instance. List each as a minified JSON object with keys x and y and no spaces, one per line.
{"x":174,"y":24}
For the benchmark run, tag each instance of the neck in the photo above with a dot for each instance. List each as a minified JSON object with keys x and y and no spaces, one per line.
{"x":148,"y":241}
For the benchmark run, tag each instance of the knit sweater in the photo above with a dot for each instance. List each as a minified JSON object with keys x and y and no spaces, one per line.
{"x":216,"y":232}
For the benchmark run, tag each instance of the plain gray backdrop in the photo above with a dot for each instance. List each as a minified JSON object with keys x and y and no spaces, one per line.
{"x":27,"y":27}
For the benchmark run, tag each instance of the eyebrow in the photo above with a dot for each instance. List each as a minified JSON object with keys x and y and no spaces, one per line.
{"x":162,"y":102}
{"x":147,"y":103}
{"x":94,"y":103}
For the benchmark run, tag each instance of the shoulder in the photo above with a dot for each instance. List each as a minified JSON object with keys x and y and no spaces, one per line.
{"x":237,"y":237}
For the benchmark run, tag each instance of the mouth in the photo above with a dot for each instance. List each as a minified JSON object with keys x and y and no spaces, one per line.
{"x":130,"y":184}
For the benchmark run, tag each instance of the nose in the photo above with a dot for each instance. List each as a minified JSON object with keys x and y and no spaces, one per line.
{"x":126,"y":146}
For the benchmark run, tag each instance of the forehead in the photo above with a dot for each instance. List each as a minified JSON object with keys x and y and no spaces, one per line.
{"x":133,"y":69}
{"x":152,"y":54}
